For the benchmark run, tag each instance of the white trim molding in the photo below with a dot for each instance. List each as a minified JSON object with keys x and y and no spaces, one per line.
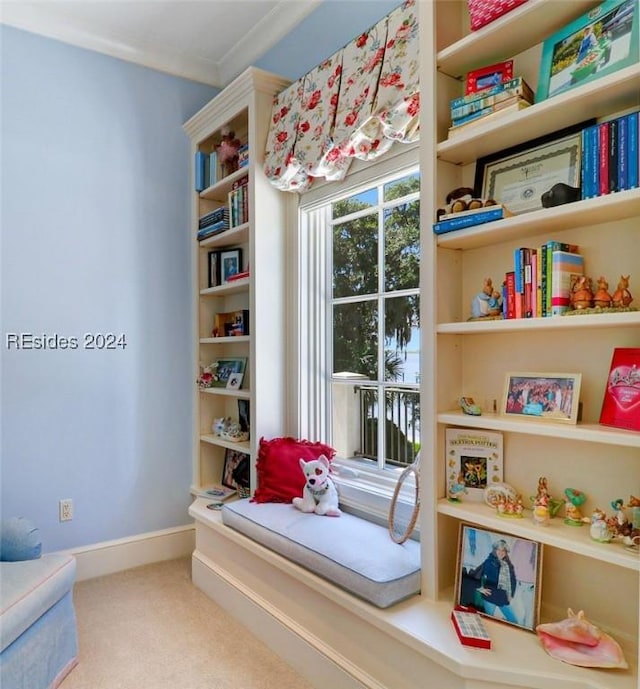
{"x":142,"y":549}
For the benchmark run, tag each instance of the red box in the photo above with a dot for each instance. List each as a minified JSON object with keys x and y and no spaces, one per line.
{"x":483,"y":12}
{"x":470,"y":627}
{"x":621,"y":404}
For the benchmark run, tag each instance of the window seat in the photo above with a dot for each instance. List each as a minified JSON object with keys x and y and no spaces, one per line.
{"x":351,"y":552}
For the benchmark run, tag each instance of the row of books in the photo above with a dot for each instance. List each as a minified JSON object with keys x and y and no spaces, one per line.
{"x":239,"y":202}
{"x":206,"y":170}
{"x":540,"y":283}
{"x":495,"y":101}
{"x":610,"y":156}
{"x":213,"y":223}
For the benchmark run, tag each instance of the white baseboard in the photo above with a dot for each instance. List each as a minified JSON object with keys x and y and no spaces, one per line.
{"x":142,"y":549}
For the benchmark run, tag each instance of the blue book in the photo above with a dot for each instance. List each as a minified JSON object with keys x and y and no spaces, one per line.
{"x":201,"y":170}
{"x":590,"y":162}
{"x":632,"y":149}
{"x":469,"y":219}
{"x":623,"y":161}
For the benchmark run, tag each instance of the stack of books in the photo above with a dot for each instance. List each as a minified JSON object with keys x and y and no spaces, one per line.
{"x":239,"y":202}
{"x":495,"y":101}
{"x":610,"y":156}
{"x":213,"y":223}
{"x":458,"y":221}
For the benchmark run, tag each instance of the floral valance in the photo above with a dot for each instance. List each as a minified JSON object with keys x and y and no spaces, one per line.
{"x":356,"y":104}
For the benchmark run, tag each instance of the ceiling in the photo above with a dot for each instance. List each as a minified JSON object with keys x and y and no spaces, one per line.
{"x":210,"y":41}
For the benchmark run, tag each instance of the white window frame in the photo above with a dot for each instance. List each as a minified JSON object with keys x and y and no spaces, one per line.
{"x":363,"y":488}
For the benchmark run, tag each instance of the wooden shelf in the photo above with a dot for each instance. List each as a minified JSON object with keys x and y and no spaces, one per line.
{"x":235,"y":235}
{"x":598,"y":98}
{"x":582,"y":432}
{"x":556,"y":534}
{"x":225,"y":290}
{"x":221,"y":442}
{"x":240,"y":394}
{"x":618,"y":206}
{"x":225,"y":340}
{"x":219,"y":191}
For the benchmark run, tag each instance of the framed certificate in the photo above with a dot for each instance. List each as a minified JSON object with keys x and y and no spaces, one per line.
{"x":518,"y":177}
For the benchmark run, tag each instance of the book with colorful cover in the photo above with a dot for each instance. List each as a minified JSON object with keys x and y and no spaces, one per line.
{"x":551,"y":246}
{"x":517,"y":83}
{"x":613,"y":156}
{"x":510,"y":299}
{"x":483,"y":116}
{"x":566,"y":268}
{"x":603,"y":158}
{"x":623,"y":161}
{"x":621,"y":403}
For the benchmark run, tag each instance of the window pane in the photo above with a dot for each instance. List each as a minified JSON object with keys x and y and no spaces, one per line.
{"x":401,"y":187}
{"x":355,"y":257}
{"x":365,"y":199}
{"x":402,"y":246}
{"x":355,"y":338}
{"x":402,"y":339}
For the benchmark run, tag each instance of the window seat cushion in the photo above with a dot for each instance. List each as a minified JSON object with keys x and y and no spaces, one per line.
{"x":353,"y":553}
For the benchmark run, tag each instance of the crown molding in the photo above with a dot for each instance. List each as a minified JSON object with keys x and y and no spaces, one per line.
{"x":39,"y":19}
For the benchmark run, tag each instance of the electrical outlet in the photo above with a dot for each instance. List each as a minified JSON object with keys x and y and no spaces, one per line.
{"x":66,"y":510}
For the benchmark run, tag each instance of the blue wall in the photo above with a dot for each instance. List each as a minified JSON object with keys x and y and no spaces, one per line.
{"x":95,"y":202}
{"x":95,"y":206}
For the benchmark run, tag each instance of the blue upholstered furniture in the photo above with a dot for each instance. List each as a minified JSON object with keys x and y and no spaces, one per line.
{"x":38,"y":634}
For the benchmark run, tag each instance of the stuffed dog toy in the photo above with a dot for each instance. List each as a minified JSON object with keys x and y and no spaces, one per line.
{"x":320,"y":494}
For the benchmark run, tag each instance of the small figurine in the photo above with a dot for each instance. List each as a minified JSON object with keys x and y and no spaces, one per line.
{"x":457,"y":488}
{"x":602,"y":298}
{"x":573,"y":516}
{"x":541,"y":511}
{"x":599,"y":529}
{"x":228,"y":151}
{"x":559,"y":194}
{"x":581,"y":293}
{"x":468,"y":406}
{"x":510,"y":507}
{"x":488,"y":302}
{"x":622,"y":297}
{"x":462,"y":199}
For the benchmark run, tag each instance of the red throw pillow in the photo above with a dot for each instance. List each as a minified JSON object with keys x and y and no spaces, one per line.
{"x":280,"y":478}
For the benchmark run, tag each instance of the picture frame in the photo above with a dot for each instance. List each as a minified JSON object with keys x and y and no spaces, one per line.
{"x":518,"y":176}
{"x":213,"y":269}
{"x":474,"y":461}
{"x":542,"y":396}
{"x":484,"y":77}
{"x":244,"y":415}
{"x":222,"y":368}
{"x":599,"y":42}
{"x":621,"y":402}
{"x":234,"y":381}
{"x":231,"y":323}
{"x":230,"y":264}
{"x":477,"y":583}
{"x":236,"y":470}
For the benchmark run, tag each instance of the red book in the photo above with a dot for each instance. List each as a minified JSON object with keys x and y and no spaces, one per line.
{"x":621,"y":404}
{"x":603,"y":145}
{"x":510,"y":280}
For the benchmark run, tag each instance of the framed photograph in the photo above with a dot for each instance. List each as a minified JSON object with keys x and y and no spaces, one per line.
{"x":598,"y":43}
{"x":213,"y":275}
{"x":474,"y":461}
{"x":230,"y":264}
{"x":483,"y":78}
{"x":621,"y":403}
{"x":542,"y":396}
{"x":499,"y":576}
{"x":235,"y":473}
{"x":517,"y":177}
{"x":234,"y":382}
{"x":221,"y":370}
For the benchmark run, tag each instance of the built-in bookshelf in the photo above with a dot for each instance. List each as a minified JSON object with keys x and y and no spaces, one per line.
{"x":248,"y":291}
{"x":472,"y":358}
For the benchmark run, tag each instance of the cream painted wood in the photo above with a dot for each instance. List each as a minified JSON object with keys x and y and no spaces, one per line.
{"x":471,"y":358}
{"x":244,"y":106}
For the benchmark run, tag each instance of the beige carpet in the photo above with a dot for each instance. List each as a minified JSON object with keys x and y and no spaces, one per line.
{"x":149,"y":627}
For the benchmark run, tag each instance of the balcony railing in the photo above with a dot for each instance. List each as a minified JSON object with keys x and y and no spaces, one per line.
{"x":402,"y":425}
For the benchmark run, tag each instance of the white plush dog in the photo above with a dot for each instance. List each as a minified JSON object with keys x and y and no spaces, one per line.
{"x":320,"y":494}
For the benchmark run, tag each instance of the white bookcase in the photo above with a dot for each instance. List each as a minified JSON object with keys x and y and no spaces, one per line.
{"x":243,"y":107}
{"x":472,"y":358}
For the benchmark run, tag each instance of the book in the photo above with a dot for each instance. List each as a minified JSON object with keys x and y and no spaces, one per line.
{"x":503,"y":112}
{"x":566,"y":268}
{"x":473,"y":457}
{"x":487,"y":110}
{"x":633,"y":152}
{"x":201,"y":160}
{"x":505,"y":212}
{"x":623,"y":172}
{"x":613,"y":155}
{"x":213,"y":168}
{"x":603,"y":158}
{"x":216,"y":492}
{"x":484,"y":101}
{"x":510,"y":281}
{"x":551,"y":246}
{"x":517,"y":84}
{"x":468,"y":220}
{"x":621,"y":403}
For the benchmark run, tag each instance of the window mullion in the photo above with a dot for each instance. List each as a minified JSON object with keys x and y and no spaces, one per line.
{"x":382,"y":402}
